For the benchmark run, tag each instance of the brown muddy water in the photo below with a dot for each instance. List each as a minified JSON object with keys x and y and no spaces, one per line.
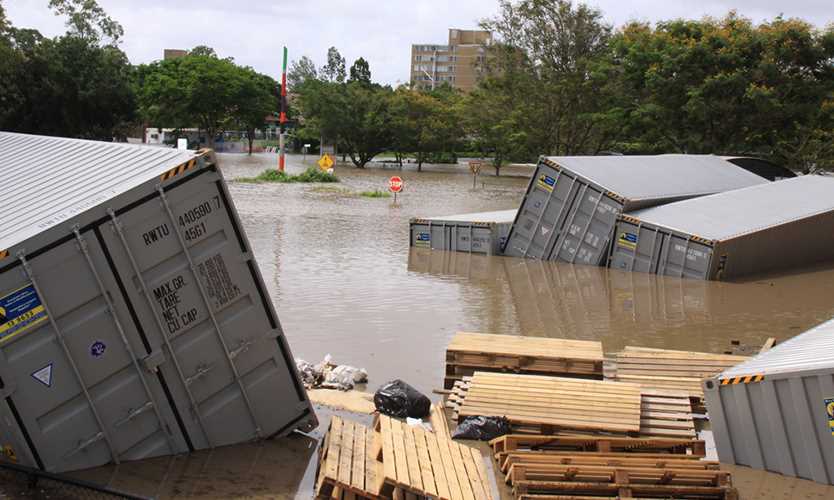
{"x":344,"y":282}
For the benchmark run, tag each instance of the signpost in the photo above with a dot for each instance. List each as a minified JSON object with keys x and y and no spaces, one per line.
{"x":475,"y":168}
{"x":395,"y":185}
{"x":282,"y":118}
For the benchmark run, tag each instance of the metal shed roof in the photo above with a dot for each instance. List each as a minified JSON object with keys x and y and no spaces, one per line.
{"x":811,"y":350}
{"x":733,"y":213}
{"x":47,"y":180}
{"x":662,"y":176}
{"x":496,"y":216}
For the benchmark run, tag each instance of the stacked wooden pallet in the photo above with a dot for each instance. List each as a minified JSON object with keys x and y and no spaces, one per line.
{"x":572,"y":467}
{"x":394,"y":460}
{"x":664,"y":369}
{"x":551,"y":403}
{"x":470,"y":352}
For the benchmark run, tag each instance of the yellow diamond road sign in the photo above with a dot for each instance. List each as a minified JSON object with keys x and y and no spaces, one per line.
{"x":325,"y":162}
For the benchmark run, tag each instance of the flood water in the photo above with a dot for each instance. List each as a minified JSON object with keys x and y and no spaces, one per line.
{"x":340,"y":272}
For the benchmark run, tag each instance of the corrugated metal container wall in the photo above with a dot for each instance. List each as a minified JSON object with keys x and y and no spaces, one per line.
{"x":771,"y":227}
{"x":481,"y":232}
{"x":572,"y":202}
{"x":133,"y":319}
{"x":776,"y":411}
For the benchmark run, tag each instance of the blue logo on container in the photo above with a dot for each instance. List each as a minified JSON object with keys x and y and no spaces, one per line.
{"x":97,"y":349}
{"x":546,"y":182}
{"x":422,"y":240}
{"x":628,"y":240}
{"x":423,"y":237}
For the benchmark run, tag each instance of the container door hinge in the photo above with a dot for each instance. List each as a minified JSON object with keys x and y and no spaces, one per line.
{"x":153,"y":360}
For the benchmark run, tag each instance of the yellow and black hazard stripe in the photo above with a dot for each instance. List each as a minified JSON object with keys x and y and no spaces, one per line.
{"x":4,"y":254}
{"x":746,"y":379}
{"x":179,"y":169}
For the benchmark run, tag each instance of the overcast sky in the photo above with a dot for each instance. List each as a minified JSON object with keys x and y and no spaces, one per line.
{"x":381,"y":31}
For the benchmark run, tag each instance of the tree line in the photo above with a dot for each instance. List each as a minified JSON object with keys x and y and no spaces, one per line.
{"x":558,"y":80}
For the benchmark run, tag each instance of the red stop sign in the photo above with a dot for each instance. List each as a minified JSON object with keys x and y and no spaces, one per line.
{"x":395,"y":184}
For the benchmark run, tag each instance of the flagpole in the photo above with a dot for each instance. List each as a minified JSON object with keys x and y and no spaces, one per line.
{"x":282,"y":120}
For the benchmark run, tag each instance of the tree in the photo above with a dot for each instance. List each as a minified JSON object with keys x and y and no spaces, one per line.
{"x":203,"y":50}
{"x":193,"y":90}
{"x":300,"y":72}
{"x":424,"y":123}
{"x":334,"y":70}
{"x":360,"y":72}
{"x":257,"y":98}
{"x":86,"y":19}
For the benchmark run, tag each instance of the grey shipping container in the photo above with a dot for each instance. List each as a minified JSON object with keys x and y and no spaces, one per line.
{"x":775,"y":412}
{"x":572,"y":202}
{"x":774,"y":226}
{"x":133,"y":319}
{"x":480,"y":232}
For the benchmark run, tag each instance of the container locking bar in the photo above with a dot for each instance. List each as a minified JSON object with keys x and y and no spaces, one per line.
{"x":86,"y":443}
{"x":62,"y":341}
{"x":82,"y":245}
{"x":195,"y":409}
{"x":569,"y":223}
{"x":587,"y":227}
{"x":164,"y":198}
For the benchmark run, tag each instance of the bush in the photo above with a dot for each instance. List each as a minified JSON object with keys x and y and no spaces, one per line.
{"x":312,"y":174}
{"x":375,"y":194}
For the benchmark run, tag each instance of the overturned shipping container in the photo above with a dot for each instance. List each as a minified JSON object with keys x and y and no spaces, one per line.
{"x":771,"y":227}
{"x":481,"y":232}
{"x":133,"y":319}
{"x":572,"y":202}
{"x":776,"y":411}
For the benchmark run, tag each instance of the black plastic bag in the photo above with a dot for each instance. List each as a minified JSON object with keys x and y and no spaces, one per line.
{"x":398,"y":399}
{"x":482,"y":428}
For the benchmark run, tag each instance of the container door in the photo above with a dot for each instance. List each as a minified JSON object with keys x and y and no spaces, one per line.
{"x":200,"y":298}
{"x":439,"y":237}
{"x":74,"y":364}
{"x":542,"y":215}
{"x":588,"y":230}
{"x":636,"y":248}
{"x":684,"y":258}
{"x":473,"y":239}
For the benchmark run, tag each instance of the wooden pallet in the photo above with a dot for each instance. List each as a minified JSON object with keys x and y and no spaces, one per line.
{"x":348,"y":464}
{"x":666,"y":414}
{"x":664,"y":369}
{"x":554,"y":403}
{"x":544,"y":459}
{"x":601,"y":444}
{"x":427,"y":464}
{"x":470,"y":352}
{"x":437,"y":419}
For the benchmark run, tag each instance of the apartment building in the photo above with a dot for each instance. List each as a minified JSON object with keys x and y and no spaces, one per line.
{"x":458,"y":63}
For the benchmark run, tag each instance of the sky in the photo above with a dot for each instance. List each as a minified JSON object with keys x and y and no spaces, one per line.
{"x":381,"y":31}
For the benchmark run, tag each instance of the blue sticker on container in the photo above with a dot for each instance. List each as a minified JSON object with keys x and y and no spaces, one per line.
{"x":422,"y":239}
{"x":20,"y":310}
{"x":829,"y":408}
{"x":628,"y":240}
{"x":97,"y":348}
{"x":546,"y":182}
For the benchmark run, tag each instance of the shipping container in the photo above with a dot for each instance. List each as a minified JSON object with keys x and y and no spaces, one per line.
{"x":480,"y":232}
{"x":770,"y":227}
{"x":775,"y":412}
{"x":133,"y":319}
{"x":572,"y":202}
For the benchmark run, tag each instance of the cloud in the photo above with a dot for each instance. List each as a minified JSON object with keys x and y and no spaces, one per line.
{"x":253,"y":33}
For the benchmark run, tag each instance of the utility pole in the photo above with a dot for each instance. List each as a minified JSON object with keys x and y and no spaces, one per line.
{"x":283,"y":116}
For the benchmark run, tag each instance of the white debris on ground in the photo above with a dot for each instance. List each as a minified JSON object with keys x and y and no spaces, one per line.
{"x":329,"y":375}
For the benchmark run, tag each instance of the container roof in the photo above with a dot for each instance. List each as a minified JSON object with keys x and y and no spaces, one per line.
{"x":734,"y":213}
{"x":47,"y":180}
{"x":811,"y":350}
{"x":496,"y":216}
{"x":638,"y":178}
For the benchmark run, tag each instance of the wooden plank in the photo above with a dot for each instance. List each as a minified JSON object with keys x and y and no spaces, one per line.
{"x":332,"y":466}
{"x":768,"y":345}
{"x":402,"y":477}
{"x":479,"y":489}
{"x":346,"y":454}
{"x":437,"y":418}
{"x":438,"y":468}
{"x":373,"y":479}
{"x":389,"y":461}
{"x":426,"y":471}
{"x":414,"y":472}
{"x":357,"y":474}
{"x":460,"y":470}
{"x":455,"y":491}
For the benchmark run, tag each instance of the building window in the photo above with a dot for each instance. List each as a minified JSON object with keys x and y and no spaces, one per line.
{"x":442,"y":58}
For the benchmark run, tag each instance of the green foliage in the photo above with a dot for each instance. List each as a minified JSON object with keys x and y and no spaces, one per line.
{"x":360,"y":72}
{"x":334,"y":70}
{"x":427,"y":124}
{"x":376,"y":193}
{"x":312,"y":174}
{"x":300,"y":72}
{"x":86,"y":19}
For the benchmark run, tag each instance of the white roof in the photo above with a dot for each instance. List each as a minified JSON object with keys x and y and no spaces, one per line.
{"x":638,"y":178}
{"x":734,"y":213}
{"x":497,"y":216}
{"x":811,"y":350}
{"x":47,"y":180}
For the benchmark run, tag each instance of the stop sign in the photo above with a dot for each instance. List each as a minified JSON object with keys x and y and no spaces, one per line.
{"x":395,"y":184}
